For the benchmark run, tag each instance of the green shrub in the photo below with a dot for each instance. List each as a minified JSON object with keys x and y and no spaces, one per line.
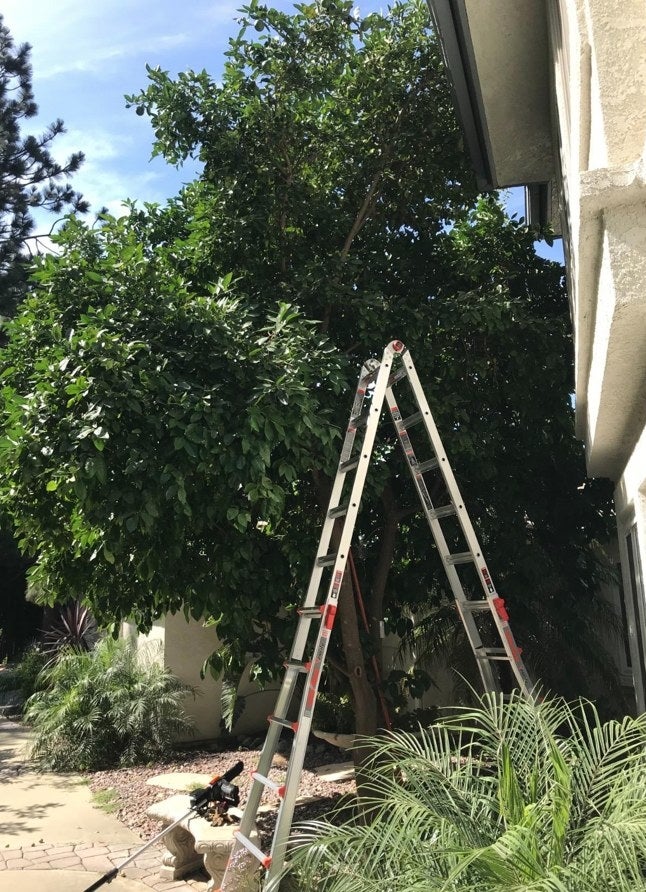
{"x":105,"y":707}
{"x":29,"y":671}
{"x":24,"y":676}
{"x":530,"y":797}
{"x":334,"y":712}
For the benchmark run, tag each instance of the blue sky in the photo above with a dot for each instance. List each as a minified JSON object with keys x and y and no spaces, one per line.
{"x":87,"y":55}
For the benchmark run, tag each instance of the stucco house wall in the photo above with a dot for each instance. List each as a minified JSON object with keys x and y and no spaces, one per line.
{"x":183,"y":646}
{"x":598,"y":53}
{"x":583,"y":69}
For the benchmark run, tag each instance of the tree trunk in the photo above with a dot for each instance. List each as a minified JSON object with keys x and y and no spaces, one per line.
{"x":364,"y":697}
{"x":386,"y":554}
{"x":363,"y":694}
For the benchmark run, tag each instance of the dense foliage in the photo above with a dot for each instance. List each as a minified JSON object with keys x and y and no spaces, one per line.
{"x":30,"y":178}
{"x":172,"y":391}
{"x":508,"y":796}
{"x":105,"y":707}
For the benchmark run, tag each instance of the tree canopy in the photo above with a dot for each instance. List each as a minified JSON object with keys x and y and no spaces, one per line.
{"x":175,"y":387}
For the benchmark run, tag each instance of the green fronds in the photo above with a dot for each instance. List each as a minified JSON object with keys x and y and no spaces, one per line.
{"x":520,"y":795}
{"x":105,"y":707}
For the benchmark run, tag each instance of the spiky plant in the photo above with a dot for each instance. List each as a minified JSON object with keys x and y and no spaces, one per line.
{"x":74,"y":627}
{"x":515,"y":796}
{"x":105,"y":707}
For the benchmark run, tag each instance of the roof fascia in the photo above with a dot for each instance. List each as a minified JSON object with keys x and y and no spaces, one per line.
{"x":450,"y":19}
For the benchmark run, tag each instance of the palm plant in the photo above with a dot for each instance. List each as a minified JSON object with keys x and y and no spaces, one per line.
{"x":520,"y":796}
{"x":105,"y":707}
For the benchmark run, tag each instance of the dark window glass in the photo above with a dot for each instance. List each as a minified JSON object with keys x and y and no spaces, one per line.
{"x":637,"y":595}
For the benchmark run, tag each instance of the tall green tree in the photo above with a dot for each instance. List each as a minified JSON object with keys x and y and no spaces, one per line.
{"x":172,"y":389}
{"x":30,"y":177}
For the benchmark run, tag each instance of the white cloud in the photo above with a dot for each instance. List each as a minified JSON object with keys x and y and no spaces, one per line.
{"x":93,"y":57}
{"x":68,"y":36}
{"x":87,"y":55}
{"x":116,"y":168}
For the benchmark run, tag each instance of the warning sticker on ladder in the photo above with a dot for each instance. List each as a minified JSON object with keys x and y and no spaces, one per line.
{"x":317,"y":661}
{"x":336,"y":587}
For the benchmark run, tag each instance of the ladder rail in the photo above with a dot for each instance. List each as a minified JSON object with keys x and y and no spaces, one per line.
{"x":374,"y":375}
{"x":306,"y":712}
{"x":488,"y":677}
{"x":490,"y":594}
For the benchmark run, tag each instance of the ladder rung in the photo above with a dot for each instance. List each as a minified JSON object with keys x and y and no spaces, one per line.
{"x":299,"y":665}
{"x":397,"y":376}
{"x":286,"y":723}
{"x":370,"y":377}
{"x":460,"y":557}
{"x":429,"y":465}
{"x":265,"y":860}
{"x":349,"y":465}
{"x":326,"y":560}
{"x":339,"y":511}
{"x":412,"y":420}
{"x":311,"y":612}
{"x":358,"y":422}
{"x":491,"y":653}
{"x":279,"y":789}
{"x":475,"y":605}
{"x":443,"y":511}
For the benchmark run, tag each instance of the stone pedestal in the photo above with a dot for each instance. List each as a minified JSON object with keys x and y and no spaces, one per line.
{"x":195,"y":841}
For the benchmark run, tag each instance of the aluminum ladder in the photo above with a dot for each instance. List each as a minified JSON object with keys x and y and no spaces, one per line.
{"x":480,"y":608}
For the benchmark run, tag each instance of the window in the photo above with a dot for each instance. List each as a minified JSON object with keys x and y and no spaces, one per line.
{"x":635,"y":609}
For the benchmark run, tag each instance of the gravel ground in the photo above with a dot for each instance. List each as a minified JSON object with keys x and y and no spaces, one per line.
{"x":134,"y":795}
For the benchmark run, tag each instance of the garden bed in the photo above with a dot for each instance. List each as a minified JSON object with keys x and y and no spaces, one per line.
{"x":133,"y":793}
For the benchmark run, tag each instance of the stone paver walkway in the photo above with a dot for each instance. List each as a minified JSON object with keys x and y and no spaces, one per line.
{"x":97,"y":858}
{"x":48,"y":823}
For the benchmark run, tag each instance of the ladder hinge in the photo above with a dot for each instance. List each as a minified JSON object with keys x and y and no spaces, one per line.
{"x":330,"y":613}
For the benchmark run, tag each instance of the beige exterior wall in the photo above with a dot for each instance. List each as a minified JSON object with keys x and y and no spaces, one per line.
{"x":598,"y":49}
{"x":599,"y":53}
{"x":183,"y":647}
{"x":517,"y":125}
